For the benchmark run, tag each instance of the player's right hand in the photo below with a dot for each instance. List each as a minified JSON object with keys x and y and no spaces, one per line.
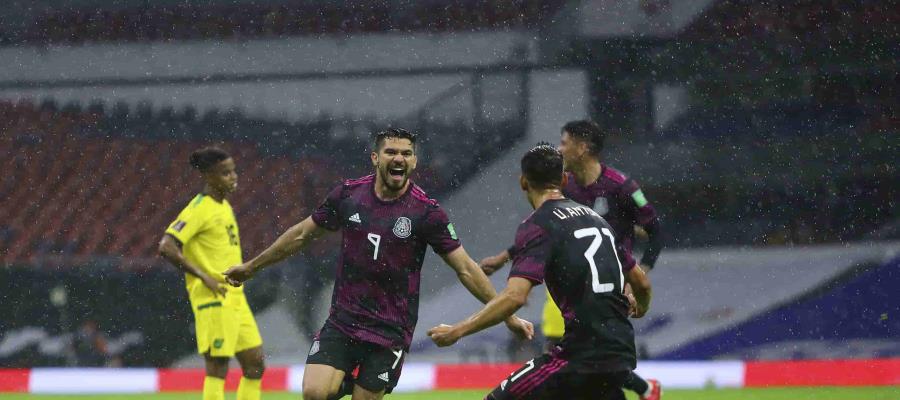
{"x":491,"y":264}
{"x":443,"y":335}
{"x":632,"y":304}
{"x":238,"y":274}
{"x":214,"y":285}
{"x":521,"y":328}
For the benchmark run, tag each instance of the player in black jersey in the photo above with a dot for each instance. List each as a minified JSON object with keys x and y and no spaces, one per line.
{"x":571,"y":248}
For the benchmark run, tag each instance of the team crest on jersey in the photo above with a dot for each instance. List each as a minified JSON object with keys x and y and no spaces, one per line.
{"x":601,"y":206}
{"x":403,"y":227}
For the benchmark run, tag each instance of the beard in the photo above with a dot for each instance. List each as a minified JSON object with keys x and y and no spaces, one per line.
{"x":390,"y":181}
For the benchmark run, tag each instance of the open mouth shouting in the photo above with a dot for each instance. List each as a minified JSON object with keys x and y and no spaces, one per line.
{"x":397,"y":173}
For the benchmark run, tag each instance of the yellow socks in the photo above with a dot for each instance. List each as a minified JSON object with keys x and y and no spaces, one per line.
{"x":249,"y":389}
{"x":213,"y":388}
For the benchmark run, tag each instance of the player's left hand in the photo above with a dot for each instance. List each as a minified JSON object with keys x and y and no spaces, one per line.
{"x":238,"y":274}
{"x":520,"y":327}
{"x":443,"y":335}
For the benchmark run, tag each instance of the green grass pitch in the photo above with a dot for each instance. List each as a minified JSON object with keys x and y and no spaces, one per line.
{"x":828,"y":393}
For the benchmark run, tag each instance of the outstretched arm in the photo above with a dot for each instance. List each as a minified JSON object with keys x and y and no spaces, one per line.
{"x":472,"y":277}
{"x":498,"y":309}
{"x":288,"y":244}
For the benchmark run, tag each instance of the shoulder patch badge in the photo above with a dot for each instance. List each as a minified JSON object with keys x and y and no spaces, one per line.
{"x":639,"y":198}
{"x":452,"y":231}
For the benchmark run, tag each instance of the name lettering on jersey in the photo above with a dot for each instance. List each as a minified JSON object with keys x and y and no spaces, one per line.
{"x":403,"y":228}
{"x":355,"y":218}
{"x":569,"y":212}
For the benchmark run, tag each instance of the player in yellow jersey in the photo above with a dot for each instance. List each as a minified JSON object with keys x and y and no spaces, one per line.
{"x":203,"y":241}
{"x":553,"y":326}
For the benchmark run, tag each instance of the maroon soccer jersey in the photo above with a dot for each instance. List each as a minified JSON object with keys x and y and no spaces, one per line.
{"x":619,"y":200}
{"x":376,"y":293}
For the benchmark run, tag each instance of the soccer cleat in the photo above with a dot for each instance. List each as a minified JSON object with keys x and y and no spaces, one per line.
{"x":655,"y":390}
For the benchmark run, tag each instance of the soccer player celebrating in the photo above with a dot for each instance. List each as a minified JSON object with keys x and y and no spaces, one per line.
{"x":616,"y":198}
{"x":203,"y":241}
{"x":571,"y":248}
{"x":387,"y":224}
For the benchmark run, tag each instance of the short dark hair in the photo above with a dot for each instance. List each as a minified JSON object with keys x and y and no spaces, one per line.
{"x":542,"y":166}
{"x":203,"y":159}
{"x":588,"y":132}
{"x":398,"y":133}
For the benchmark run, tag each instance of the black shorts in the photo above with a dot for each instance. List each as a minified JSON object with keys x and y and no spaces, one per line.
{"x":550,"y":377}
{"x":379,"y":367}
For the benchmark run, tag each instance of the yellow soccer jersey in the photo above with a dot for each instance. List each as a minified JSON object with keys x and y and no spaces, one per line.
{"x":554,"y":325}
{"x":210,"y":240}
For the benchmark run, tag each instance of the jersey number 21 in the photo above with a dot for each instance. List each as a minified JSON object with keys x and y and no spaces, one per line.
{"x":592,"y":251}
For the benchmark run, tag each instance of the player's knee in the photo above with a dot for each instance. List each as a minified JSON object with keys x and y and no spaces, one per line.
{"x":217,"y":371}
{"x":255,"y":370}
{"x":314,"y":391}
{"x":217,"y":367}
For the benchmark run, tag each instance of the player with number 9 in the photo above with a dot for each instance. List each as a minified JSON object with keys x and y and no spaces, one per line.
{"x":387,"y":223}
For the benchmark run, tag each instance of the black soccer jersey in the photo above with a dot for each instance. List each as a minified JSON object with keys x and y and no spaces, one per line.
{"x":574,"y":250}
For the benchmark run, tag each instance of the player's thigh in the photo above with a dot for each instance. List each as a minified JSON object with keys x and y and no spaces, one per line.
{"x":602,"y":386}
{"x":217,"y":328}
{"x":321,"y":381}
{"x":361,"y":393}
{"x":331,"y":356}
{"x":248,"y":336}
{"x":379,"y":370}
